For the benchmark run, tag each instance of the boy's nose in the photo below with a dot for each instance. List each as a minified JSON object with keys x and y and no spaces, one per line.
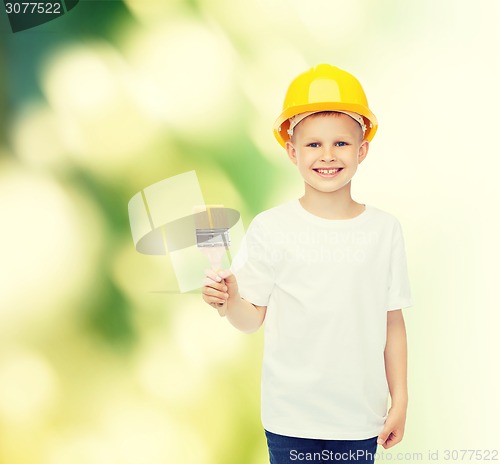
{"x":328,"y":155}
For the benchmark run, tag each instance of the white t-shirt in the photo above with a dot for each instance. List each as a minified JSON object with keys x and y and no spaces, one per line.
{"x":327,"y":285}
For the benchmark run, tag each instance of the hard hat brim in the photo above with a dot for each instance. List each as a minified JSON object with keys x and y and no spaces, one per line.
{"x":281,"y":124}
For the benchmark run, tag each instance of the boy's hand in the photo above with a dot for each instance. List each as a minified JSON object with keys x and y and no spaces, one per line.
{"x":219,"y":287}
{"x":393,"y":429}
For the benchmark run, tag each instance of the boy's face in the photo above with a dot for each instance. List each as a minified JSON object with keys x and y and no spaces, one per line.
{"x":327,"y":141}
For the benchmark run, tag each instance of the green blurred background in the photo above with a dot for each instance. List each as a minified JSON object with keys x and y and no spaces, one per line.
{"x":102,"y":361}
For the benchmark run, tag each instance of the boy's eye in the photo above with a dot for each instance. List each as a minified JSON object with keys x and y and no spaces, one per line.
{"x":317,"y":144}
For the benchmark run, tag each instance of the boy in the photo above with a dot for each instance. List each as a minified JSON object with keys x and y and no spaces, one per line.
{"x":329,"y":277}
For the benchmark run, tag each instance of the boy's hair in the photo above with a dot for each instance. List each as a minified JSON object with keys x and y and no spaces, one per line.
{"x":323,"y":114}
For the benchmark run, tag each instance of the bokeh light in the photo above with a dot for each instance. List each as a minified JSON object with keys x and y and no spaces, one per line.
{"x":186,"y":75}
{"x":37,"y":137}
{"x":152,"y":11}
{"x":90,"y":88}
{"x":50,"y":240}
{"x":28,"y":386}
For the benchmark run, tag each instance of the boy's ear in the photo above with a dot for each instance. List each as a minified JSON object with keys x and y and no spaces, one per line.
{"x":290,"y":149}
{"x":363,"y":150}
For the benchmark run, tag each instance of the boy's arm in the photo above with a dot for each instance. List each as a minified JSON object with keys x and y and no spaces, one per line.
{"x":244,"y":315}
{"x":395,"y":355}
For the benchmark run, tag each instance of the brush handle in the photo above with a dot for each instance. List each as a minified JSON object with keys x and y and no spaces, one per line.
{"x":214,"y":255}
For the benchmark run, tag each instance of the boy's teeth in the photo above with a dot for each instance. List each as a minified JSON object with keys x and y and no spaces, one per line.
{"x":327,"y":171}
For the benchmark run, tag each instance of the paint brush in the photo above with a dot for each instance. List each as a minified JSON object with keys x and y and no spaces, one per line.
{"x":212,"y":236}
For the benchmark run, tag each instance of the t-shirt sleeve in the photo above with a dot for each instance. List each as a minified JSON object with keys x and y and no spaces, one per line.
{"x":399,"y":292}
{"x":252,"y":265}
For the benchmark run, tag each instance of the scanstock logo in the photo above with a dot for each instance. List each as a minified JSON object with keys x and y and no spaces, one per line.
{"x":25,"y":15}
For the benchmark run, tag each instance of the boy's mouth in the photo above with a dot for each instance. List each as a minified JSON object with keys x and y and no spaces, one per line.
{"x":328,"y":172}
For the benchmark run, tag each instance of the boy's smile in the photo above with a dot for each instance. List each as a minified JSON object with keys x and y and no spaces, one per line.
{"x":327,"y":149}
{"x":328,"y":173}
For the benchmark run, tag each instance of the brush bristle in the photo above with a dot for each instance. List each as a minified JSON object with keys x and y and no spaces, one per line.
{"x":210,"y":217}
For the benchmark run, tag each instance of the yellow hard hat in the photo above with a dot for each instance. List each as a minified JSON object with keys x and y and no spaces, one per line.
{"x":324,"y":88}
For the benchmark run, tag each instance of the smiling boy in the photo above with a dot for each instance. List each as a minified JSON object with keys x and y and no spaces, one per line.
{"x":328,"y":275}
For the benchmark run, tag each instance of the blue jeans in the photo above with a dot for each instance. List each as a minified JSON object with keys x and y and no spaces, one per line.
{"x":286,"y":450}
